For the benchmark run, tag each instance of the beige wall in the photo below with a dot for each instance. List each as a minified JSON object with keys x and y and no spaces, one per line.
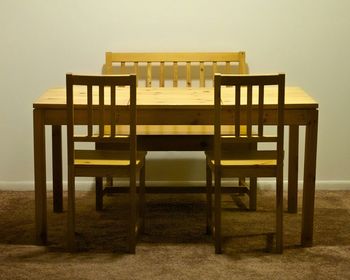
{"x":42,"y":40}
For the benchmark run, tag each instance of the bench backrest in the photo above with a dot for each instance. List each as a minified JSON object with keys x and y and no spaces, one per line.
{"x":175,"y":69}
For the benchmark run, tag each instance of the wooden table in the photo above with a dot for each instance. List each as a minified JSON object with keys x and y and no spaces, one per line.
{"x":188,"y":109}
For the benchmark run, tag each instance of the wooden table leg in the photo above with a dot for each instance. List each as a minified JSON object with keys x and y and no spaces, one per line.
{"x":40,"y":177}
{"x":57,"y":168}
{"x":293,"y":164}
{"x":309,"y":182}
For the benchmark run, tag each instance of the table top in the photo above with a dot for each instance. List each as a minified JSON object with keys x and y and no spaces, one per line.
{"x":169,"y":97}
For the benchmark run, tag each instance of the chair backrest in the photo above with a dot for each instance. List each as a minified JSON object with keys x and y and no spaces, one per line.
{"x":92,"y":103}
{"x":177,"y":68}
{"x":249,"y":94}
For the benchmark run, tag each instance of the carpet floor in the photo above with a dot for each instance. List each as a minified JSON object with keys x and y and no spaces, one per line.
{"x":174,"y":245}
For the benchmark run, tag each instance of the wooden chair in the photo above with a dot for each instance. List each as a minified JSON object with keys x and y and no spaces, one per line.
{"x":91,"y":103}
{"x":248,"y":91}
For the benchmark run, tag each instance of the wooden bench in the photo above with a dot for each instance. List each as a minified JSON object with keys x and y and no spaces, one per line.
{"x":175,"y":69}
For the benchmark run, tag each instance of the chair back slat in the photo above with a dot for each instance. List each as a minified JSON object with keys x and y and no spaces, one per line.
{"x":101,"y":110}
{"x":249,"y":110}
{"x":261,"y":111}
{"x":181,"y":65}
{"x":237,"y":111}
{"x":113,"y":112}
{"x":90,"y":110}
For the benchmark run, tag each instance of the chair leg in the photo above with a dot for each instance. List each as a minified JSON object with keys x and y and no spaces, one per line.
{"x":217,"y":211}
{"x":252,"y":183}
{"x":99,"y":193}
{"x":252,"y":193}
{"x":279,"y":216}
{"x":142,"y":199}
{"x":132,"y":213}
{"x":71,"y":215}
{"x":209,"y":200}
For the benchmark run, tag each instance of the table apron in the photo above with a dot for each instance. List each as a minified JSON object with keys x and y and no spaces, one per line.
{"x":186,"y":117}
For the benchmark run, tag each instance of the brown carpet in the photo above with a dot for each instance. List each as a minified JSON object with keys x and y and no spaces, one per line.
{"x":174,"y":245}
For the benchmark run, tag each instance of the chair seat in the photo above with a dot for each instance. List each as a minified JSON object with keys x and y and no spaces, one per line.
{"x":254,"y":163}
{"x":232,"y":155}
{"x":247,"y":162}
{"x":251,"y":163}
{"x":106,"y":158}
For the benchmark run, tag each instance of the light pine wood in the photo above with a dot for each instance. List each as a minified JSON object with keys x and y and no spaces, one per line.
{"x":158,"y":107}
{"x":116,"y":63}
{"x":102,"y":163}
{"x":169,"y":98}
{"x":252,"y":163}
